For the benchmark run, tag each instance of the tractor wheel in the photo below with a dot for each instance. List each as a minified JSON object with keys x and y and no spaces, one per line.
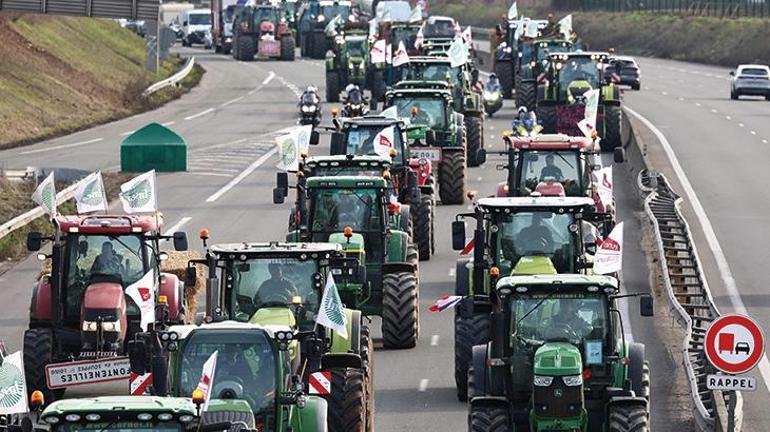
{"x":646,"y":379}
{"x":302,"y":46}
{"x":613,"y":117}
{"x":471,"y":383}
{"x":432,"y":226}
{"x":237,"y":418}
{"x":468,"y":333}
{"x":547,"y":114}
{"x":400,"y":312}
{"x":484,"y":418}
{"x":451,"y":178}
{"x":378,"y":87}
{"x":367,"y":356}
{"x":475,"y":130}
{"x":422,"y":218}
{"x":347,"y":401}
{"x":526,"y":93}
{"x":287,"y":48}
{"x":628,"y":418}
{"x":413,"y":257}
{"x":504,"y":72}
{"x":332,"y":86}
{"x":318,"y":46}
{"x":38,"y":352}
{"x":247,"y":47}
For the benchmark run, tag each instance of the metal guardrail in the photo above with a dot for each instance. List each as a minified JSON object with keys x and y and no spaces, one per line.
{"x":172,"y":80}
{"x":688,"y":293}
{"x":129,"y":9}
{"x":24,"y":219}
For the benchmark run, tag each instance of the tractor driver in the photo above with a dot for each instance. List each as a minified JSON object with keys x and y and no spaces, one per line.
{"x":241,"y":363}
{"x":567,"y":322}
{"x":536,"y":237}
{"x":107,"y":262}
{"x":277,"y":288}
{"x":550,"y":170}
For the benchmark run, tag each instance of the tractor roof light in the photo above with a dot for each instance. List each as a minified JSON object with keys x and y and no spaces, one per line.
{"x":296,"y":300}
{"x":93,"y":417}
{"x":204,"y":234}
{"x":163,"y":299}
{"x":36,"y":399}
{"x":335,"y":111}
{"x":494,"y":271}
{"x":347,"y":232}
{"x":198,"y":397}
{"x":72,"y":417}
{"x":521,"y":289}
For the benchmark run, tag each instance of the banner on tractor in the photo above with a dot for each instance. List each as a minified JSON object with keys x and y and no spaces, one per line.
{"x":415,"y":15}
{"x":418,"y":40}
{"x":206,"y":382}
{"x":445,"y":302}
{"x":383,"y":141}
{"x":90,"y":195}
{"x":378,"y":51}
{"x":603,"y":179}
{"x":565,"y":26}
{"x":401,"y":57}
{"x":467,"y":36}
{"x":609,"y":257}
{"x":143,"y":294}
{"x":45,"y":195}
{"x":458,"y":53}
{"x":13,"y":387}
{"x":332,"y":314}
{"x":291,"y":146}
{"x":70,"y":374}
{"x":139,"y":195}
{"x":588,"y":124}
{"x":391,"y":112}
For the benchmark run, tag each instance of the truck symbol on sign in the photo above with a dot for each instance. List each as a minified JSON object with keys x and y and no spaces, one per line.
{"x":727,"y":343}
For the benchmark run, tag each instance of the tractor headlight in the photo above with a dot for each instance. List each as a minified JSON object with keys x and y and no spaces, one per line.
{"x":532,"y":64}
{"x":321,"y":18}
{"x":542,"y":381}
{"x":111,"y":326}
{"x":573,"y":380}
{"x":89,"y":326}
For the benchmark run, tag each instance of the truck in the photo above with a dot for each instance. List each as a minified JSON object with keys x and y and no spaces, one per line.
{"x":222,"y":14}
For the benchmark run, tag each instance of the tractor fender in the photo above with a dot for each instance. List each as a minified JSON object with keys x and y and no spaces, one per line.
{"x":398,"y":241}
{"x":397,"y":267}
{"x":479,"y":361}
{"x":462,"y":277}
{"x":341,"y":360}
{"x":312,"y":417}
{"x":353,"y":341}
{"x":40,"y":307}
{"x":490,"y":401}
{"x":171,"y":287}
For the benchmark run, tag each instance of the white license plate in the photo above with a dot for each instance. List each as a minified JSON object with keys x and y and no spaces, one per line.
{"x":432,"y":154}
{"x":61,"y":375}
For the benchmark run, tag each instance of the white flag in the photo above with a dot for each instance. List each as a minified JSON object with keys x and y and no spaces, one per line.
{"x":206,"y":383}
{"x":468,"y":36}
{"x":13,"y":387}
{"x":565,"y":25}
{"x":458,"y":53}
{"x":378,"y":51}
{"x":604,"y":187}
{"x":139,"y":194}
{"x":401,"y":57}
{"x":415,"y":15}
{"x":90,"y":195}
{"x":609,"y":257}
{"x":513,"y":11}
{"x":373,"y":27}
{"x":391,"y":112}
{"x":388,"y":53}
{"x":291,"y":145}
{"x":531,"y":30}
{"x":142,"y":292}
{"x":331,"y":28}
{"x":383,"y":141}
{"x":588,"y":124}
{"x":386,"y":17}
{"x":419,"y":39}
{"x":45,"y":195}
{"x":331,"y":314}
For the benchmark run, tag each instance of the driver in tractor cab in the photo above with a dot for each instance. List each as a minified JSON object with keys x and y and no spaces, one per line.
{"x":567,"y":321}
{"x":242,"y":362}
{"x":550,"y":170}
{"x":576,"y":70}
{"x":277,"y":288}
{"x":536,"y":236}
{"x":107,"y":262}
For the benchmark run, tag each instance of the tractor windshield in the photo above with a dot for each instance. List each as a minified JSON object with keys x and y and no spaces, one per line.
{"x":273,"y":282}
{"x":439,"y":29}
{"x":335,"y":209}
{"x":535,"y":234}
{"x":429,"y":111}
{"x":434,"y":72}
{"x":120,"y":258}
{"x":580,"y":69}
{"x":120,"y":427}
{"x":536,"y":168}
{"x":333,"y":10}
{"x":578,"y":318}
{"x":360,"y":141}
{"x":356,"y":46}
{"x":245,"y":368}
{"x":407,"y":35}
{"x":265,"y":14}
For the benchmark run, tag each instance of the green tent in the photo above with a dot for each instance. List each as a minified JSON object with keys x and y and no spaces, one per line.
{"x":153,"y":147}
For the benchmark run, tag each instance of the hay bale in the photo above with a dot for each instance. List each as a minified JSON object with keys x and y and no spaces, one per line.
{"x":176,"y":264}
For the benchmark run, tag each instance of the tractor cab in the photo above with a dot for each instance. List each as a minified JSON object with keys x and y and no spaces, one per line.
{"x":558,"y":355}
{"x":535,"y":57}
{"x":356,"y":136}
{"x":461,"y":79}
{"x":438,"y":33}
{"x":407,"y":34}
{"x":573,"y":74}
{"x":427,"y":104}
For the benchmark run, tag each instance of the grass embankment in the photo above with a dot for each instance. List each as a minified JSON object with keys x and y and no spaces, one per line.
{"x":62,"y":74}
{"x":725,"y":42}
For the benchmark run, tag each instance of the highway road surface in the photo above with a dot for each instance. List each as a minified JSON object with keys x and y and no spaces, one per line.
{"x":230,"y":121}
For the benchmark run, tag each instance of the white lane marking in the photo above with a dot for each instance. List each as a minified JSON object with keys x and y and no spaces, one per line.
{"x":714,"y":110}
{"x":167,"y":124}
{"x":697,"y":104}
{"x":664,"y":93}
{"x":423,"y":385}
{"x":212,"y":174}
{"x":708,"y":230}
{"x":290,"y":86}
{"x":178,"y":226}
{"x":202,"y":113}
{"x":740,"y":124}
{"x":728,"y":118}
{"x":231,"y":101}
{"x":753,"y":132}
{"x":63,"y":146}
{"x":239,"y":178}
{"x":764,"y":141}
{"x":434,"y":340}
{"x":681,"y":99}
{"x":127,"y":133}
{"x":269,"y":78}
{"x":452,"y":271}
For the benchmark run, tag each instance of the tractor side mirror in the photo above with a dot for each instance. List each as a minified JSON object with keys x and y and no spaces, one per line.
{"x":34,"y":241}
{"x":619,"y":155}
{"x":279,"y":196}
{"x":315,"y":138}
{"x":185,"y":23}
{"x":458,"y":235}
{"x":645,"y":305}
{"x":430,"y":137}
{"x":190,"y":276}
{"x":411,"y":181}
{"x":180,"y":241}
{"x":282,"y":181}
{"x":338,"y":144}
{"x":137,"y":356}
{"x":732,"y":73}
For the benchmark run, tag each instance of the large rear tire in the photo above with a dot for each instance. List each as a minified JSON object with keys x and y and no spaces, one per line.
{"x":504,"y":72}
{"x":468,"y":333}
{"x":475,"y":132}
{"x":400,"y":310}
{"x":247,"y":48}
{"x":287,"y":48}
{"x":238,"y":418}
{"x":613,"y":118}
{"x":367,"y":357}
{"x":451,"y":178}
{"x":38,"y":352}
{"x":547,"y":115}
{"x":347,"y":401}
{"x":332,"y":86}
{"x":628,"y":418}
{"x":485,"y":418}
{"x":422,"y":216}
{"x":526,"y":95}
{"x":318,"y":46}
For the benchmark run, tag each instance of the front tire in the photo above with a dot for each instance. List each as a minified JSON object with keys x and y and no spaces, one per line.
{"x":489,"y":419}
{"x":38,"y":352}
{"x":347,"y":401}
{"x":422,"y":215}
{"x":475,"y":128}
{"x":287,"y":48}
{"x":400,"y":310}
{"x":504,"y":72}
{"x":526,"y":93}
{"x":613,"y":117}
{"x":332,"y":86}
{"x":451,"y":178}
{"x":468,"y":333}
{"x":247,"y":48}
{"x":628,"y":418}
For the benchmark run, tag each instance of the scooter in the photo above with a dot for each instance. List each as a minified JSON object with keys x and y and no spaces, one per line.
{"x":493,"y":101}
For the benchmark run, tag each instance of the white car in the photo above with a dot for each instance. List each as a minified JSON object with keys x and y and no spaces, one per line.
{"x":196,"y":23}
{"x":750,"y":80}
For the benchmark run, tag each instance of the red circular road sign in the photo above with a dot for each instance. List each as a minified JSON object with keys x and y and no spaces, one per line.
{"x":734,"y":344}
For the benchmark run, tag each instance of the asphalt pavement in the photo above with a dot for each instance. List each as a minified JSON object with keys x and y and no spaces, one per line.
{"x":229,"y":122}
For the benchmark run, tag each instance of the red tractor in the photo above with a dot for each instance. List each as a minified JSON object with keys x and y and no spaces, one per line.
{"x":82,"y":314}
{"x":260,"y":29}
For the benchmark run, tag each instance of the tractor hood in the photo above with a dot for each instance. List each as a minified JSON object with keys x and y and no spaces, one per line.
{"x":355,"y":245}
{"x":534,"y":265}
{"x":577,"y":89}
{"x":274,"y":316}
{"x":557,"y":359}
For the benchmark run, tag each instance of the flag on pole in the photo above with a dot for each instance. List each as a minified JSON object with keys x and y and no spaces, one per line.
{"x":468,"y":36}
{"x":588,"y":124}
{"x":419,"y":39}
{"x":378,"y":51}
{"x":90,"y":195}
{"x":531,"y":29}
{"x":383,"y":141}
{"x":388,"y":53}
{"x":391,"y":112}
{"x":401,"y":57}
{"x":604,"y":187}
{"x":45,"y":195}
{"x":445,"y":303}
{"x":13,"y":387}
{"x":609,"y":257}
{"x":373,"y":27}
{"x":565,"y":25}
{"x":331,"y":28}
{"x":513,"y":11}
{"x":139,"y":195}
{"x":331,"y":314}
{"x":291,"y":146}
{"x":415,"y":15}
{"x":458,"y":53}
{"x":142,"y":292}
{"x":206,"y":382}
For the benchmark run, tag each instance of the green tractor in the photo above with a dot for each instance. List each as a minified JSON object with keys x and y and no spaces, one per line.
{"x":429,"y":106}
{"x":465,"y":96}
{"x":559,"y":359}
{"x":145,"y":413}
{"x":515,"y":236}
{"x":357,"y":213}
{"x":348,"y":63}
{"x":561,"y":98}
{"x":289,"y":9}
{"x":535,"y":55}
{"x":260,"y":29}
{"x":314,"y":16}
{"x":275,"y":283}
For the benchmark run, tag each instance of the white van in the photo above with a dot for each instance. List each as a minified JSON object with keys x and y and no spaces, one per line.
{"x":196,"y":24}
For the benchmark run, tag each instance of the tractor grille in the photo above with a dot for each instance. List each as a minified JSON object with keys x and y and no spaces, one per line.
{"x":558,"y":400}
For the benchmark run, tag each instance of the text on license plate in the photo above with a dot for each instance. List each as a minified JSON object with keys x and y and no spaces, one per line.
{"x":432,"y":154}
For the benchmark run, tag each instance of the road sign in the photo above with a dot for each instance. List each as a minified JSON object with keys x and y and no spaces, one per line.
{"x":734,"y":344}
{"x":320,"y":383}
{"x":730,"y":382}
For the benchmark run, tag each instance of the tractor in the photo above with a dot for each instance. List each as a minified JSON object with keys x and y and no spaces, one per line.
{"x":348,"y":63}
{"x":466,"y":96}
{"x":80,"y":310}
{"x":261,"y":29}
{"x":279,"y":283}
{"x":438,"y":33}
{"x":429,"y":106}
{"x":515,"y":236}
{"x":533,"y":61}
{"x":357,"y":212}
{"x":314,"y":16}
{"x":559,"y":360}
{"x":412,"y":177}
{"x":508,"y":54}
{"x":289,"y":9}
{"x":561,"y":98}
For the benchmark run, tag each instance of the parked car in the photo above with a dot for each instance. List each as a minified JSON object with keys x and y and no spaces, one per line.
{"x":750,"y":80}
{"x":626,"y":69}
{"x":196,"y":23}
